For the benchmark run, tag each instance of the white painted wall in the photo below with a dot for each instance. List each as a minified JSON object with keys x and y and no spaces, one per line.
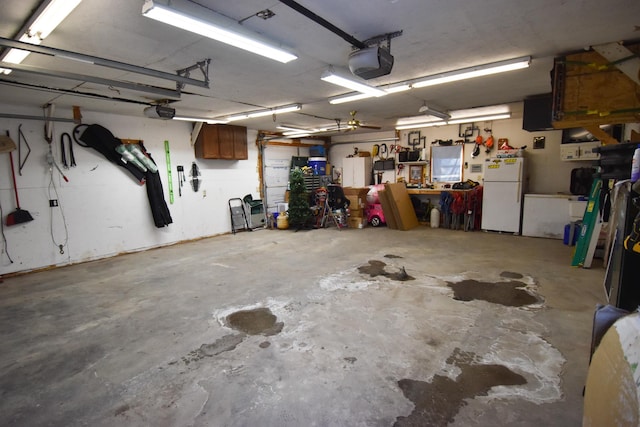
{"x":547,"y":173}
{"x":105,"y":211}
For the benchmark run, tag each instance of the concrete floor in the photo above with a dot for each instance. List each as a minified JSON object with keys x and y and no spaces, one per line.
{"x":309,"y":328}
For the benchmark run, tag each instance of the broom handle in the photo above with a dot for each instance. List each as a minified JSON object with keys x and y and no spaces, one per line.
{"x":13,"y":175}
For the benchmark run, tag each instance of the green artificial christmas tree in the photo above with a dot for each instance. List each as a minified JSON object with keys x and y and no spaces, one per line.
{"x":299,"y":211}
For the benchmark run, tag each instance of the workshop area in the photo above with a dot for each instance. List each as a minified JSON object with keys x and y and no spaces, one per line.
{"x":426,"y":328}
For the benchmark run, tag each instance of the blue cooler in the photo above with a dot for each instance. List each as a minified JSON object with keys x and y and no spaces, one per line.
{"x":318,"y":165}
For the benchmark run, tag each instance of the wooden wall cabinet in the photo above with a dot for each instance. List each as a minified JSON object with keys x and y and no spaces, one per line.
{"x":227,"y":142}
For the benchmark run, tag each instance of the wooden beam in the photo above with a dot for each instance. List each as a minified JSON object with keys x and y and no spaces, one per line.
{"x":604,"y":137}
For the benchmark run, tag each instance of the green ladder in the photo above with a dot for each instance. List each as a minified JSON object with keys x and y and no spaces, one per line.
{"x":590,"y":230}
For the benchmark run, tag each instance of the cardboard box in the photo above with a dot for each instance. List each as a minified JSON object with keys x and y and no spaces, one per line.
{"x":389,"y":215}
{"x":356,"y":212}
{"x":611,"y":393}
{"x":357,"y":222}
{"x":357,"y":196}
{"x":401,"y":206}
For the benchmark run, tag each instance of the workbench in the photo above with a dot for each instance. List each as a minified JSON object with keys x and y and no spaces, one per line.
{"x":469,"y":219}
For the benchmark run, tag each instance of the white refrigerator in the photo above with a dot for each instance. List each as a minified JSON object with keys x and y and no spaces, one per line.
{"x":502,"y":194}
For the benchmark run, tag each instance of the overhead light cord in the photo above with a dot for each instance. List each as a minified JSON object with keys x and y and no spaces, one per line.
{"x":52,"y":185}
{"x":49,"y":134}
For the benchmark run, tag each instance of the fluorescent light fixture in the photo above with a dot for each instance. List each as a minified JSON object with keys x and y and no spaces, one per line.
{"x":366,"y":90}
{"x":50,"y":16}
{"x":291,"y":128}
{"x":477,"y":71}
{"x":479,"y":119}
{"x":206,"y":120}
{"x":395,"y":88}
{"x":428,"y":111}
{"x":348,"y":98}
{"x":344,"y":80}
{"x":298,"y":134}
{"x":470,"y":115}
{"x":491,"y":110}
{"x":265,"y":112}
{"x":421,"y":125}
{"x":216,"y":27}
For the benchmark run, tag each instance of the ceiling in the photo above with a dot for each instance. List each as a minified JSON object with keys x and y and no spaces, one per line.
{"x":437,"y":36}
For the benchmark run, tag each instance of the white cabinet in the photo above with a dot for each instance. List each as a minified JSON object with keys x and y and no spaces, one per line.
{"x":545,"y":215}
{"x":356,"y":171}
{"x":579,"y":151}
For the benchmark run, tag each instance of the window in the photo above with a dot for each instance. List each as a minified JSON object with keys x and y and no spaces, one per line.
{"x":446,"y":163}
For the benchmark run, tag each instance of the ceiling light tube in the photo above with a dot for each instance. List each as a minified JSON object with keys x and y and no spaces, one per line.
{"x":206,"y":120}
{"x":52,"y":15}
{"x":291,"y":128}
{"x":298,"y":134}
{"x":43,"y":22}
{"x":395,"y":88}
{"x":342,"y":79}
{"x":216,"y":27}
{"x":348,"y":98}
{"x":479,"y":119}
{"x":421,"y":125}
{"x":480,"y":111}
{"x":418,"y":124}
{"x":415,"y":119}
{"x":265,"y":112}
{"x":477,"y":71}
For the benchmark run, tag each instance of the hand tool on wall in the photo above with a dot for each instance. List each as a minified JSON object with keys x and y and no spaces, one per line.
{"x":195,"y":180}
{"x":22,"y":161}
{"x":18,"y":216}
{"x":181,"y":179}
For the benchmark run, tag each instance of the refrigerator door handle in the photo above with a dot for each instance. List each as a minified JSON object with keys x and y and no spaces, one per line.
{"x":520,"y":178}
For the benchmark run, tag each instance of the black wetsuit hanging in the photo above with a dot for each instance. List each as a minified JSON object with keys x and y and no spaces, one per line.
{"x":155,"y":193}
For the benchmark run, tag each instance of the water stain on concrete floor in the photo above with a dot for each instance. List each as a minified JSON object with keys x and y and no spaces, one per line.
{"x":255,"y":322}
{"x":437,"y":402}
{"x":377,"y":268}
{"x":505,"y":293}
{"x":248,"y":322}
{"x":221,"y":345}
{"x":511,"y":275}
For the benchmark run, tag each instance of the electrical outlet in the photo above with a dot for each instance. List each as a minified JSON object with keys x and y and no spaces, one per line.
{"x":53,"y":203}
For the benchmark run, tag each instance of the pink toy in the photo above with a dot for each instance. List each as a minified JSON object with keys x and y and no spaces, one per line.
{"x":375,"y":216}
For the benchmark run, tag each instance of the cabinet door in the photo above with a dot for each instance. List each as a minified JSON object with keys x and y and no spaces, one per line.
{"x":348,"y":167}
{"x":226,"y":142}
{"x":206,"y":146}
{"x":240,"y":151}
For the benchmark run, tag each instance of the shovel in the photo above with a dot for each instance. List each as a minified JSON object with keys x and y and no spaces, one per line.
{"x":19,"y":215}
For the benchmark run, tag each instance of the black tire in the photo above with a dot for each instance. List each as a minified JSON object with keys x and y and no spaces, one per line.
{"x":375,"y":221}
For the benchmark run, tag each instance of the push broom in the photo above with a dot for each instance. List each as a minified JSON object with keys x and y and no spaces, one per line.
{"x":18,"y":216}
